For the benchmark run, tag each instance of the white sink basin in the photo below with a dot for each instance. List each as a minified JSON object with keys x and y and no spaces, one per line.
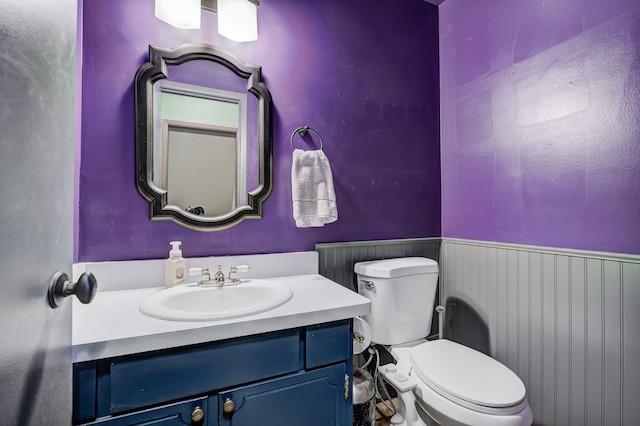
{"x":190,"y":302}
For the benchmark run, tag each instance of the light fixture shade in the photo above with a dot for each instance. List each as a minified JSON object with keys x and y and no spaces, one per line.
{"x":183,"y":14}
{"x":238,"y":20}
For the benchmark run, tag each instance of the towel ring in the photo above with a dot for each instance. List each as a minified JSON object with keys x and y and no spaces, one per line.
{"x":303,"y":131}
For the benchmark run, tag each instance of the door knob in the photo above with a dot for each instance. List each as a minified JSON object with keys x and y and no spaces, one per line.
{"x":61,"y":287}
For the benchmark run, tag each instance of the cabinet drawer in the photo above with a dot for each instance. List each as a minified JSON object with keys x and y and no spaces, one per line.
{"x":179,"y":414}
{"x":328,"y":343}
{"x":142,"y":381}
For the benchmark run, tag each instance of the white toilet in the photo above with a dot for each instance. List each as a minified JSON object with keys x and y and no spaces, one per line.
{"x":438,"y":382}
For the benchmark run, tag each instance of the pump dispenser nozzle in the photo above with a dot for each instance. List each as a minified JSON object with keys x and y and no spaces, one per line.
{"x":175,"y":249}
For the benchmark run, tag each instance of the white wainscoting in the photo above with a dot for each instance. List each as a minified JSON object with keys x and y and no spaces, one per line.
{"x":567,"y":322}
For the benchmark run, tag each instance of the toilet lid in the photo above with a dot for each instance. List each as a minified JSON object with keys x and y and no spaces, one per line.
{"x":464,"y":375}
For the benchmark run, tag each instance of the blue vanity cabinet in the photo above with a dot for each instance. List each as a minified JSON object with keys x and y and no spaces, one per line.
{"x":296,"y":376}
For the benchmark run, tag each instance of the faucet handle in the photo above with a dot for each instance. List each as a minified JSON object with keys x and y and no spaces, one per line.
{"x":206,"y":276}
{"x":233,"y":272}
{"x":198,"y":271}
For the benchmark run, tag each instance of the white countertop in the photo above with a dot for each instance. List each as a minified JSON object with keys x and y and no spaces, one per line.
{"x":112,"y":325}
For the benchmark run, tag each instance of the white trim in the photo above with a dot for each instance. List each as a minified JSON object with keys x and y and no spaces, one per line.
{"x":634,"y":258}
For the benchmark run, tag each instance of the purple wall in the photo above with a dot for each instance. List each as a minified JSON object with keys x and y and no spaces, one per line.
{"x":363,"y":74}
{"x":541,"y":122}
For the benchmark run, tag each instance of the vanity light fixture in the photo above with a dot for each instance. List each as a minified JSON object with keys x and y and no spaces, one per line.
{"x":184,"y":14}
{"x":237,"y":19}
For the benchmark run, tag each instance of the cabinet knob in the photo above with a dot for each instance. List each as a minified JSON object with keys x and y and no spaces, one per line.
{"x":228,"y":406}
{"x":197,"y":414}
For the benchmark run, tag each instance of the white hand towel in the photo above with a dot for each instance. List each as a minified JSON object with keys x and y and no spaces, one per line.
{"x":314,"y":198}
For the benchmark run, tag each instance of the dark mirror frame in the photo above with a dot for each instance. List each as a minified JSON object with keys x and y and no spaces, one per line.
{"x":151,"y":72}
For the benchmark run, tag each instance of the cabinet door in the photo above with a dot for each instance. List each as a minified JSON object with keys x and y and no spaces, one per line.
{"x":308,"y":398}
{"x":193,"y":412}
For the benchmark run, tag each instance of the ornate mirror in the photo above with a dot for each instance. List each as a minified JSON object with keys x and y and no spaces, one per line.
{"x":203,"y":137}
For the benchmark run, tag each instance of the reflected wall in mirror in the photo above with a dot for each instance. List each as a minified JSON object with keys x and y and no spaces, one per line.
{"x":203,"y":137}
{"x":202,"y":131}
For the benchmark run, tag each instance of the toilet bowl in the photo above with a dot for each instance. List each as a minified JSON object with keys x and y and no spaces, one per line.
{"x":438,"y":382}
{"x":451,"y":384}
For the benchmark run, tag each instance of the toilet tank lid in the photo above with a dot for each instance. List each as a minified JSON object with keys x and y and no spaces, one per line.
{"x":398,"y":267}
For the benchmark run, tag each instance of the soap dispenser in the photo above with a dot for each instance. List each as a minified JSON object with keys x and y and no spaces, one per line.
{"x":175,"y":267}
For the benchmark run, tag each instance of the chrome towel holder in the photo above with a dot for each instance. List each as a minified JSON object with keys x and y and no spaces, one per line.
{"x":304,"y":131}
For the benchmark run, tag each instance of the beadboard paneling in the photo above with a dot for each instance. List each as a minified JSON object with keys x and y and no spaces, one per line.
{"x":567,"y":322}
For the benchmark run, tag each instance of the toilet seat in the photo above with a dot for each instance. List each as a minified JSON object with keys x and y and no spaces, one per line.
{"x":468,"y":378}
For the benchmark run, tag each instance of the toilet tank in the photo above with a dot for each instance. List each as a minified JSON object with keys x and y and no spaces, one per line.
{"x":402,"y":293}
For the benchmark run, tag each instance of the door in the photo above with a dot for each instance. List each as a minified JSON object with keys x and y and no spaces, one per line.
{"x":312,"y":398}
{"x":37,"y":80}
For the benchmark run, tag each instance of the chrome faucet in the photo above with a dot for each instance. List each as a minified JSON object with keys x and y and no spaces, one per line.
{"x":219,"y":279}
{"x":219,"y":276}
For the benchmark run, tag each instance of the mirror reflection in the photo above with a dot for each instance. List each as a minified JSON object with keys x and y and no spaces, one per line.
{"x":203,"y":137}
{"x":199,"y":147}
